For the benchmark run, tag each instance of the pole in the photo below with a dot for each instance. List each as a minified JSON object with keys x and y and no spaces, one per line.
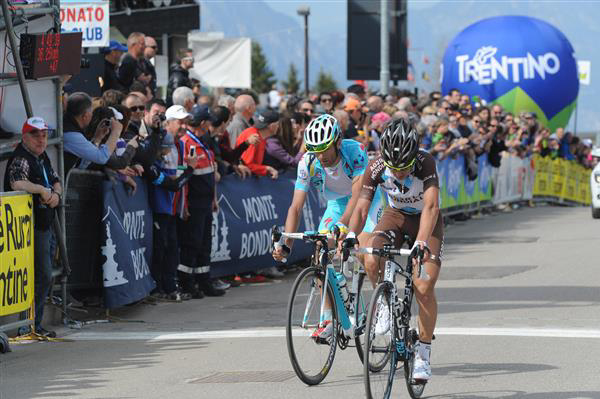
{"x":306,"y":54}
{"x":575,"y":127}
{"x":10,"y":32}
{"x":384,"y":73}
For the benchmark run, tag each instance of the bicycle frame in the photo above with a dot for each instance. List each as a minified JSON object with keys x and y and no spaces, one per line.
{"x":401,"y":308}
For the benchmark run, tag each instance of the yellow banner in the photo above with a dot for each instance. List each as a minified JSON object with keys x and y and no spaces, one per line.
{"x":16,"y":253}
{"x":561,"y":179}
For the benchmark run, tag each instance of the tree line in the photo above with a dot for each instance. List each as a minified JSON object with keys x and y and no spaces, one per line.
{"x":263,"y":78}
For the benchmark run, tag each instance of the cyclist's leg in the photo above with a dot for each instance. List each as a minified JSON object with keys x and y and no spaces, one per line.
{"x":387,"y":231}
{"x":335,"y":210}
{"x":425,"y":289}
{"x":375,"y":212}
{"x":425,"y":296}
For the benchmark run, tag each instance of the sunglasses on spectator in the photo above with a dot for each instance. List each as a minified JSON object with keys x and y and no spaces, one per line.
{"x":402,"y":169}
{"x":187,"y":59}
{"x":137,"y":108}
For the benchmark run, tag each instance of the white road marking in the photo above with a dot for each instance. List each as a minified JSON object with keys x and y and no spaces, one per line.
{"x":280,"y":332}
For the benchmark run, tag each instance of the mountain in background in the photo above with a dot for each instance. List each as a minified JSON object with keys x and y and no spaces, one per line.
{"x":431,"y":26}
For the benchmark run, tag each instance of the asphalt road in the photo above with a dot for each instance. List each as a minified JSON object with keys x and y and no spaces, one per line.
{"x":519,"y":304}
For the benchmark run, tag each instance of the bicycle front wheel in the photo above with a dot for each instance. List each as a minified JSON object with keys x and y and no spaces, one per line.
{"x":379,"y":366}
{"x":311,"y":357}
{"x":360,"y":313}
{"x":415,"y":388}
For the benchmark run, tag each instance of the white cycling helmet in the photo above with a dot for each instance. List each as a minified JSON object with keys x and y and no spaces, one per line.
{"x":321,"y":133}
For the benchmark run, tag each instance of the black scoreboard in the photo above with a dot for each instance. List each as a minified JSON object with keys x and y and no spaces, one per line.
{"x":50,"y":54}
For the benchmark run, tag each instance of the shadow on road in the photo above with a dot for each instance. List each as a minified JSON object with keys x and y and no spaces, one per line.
{"x":479,"y":370}
{"x":55,"y":378}
{"x":474,"y":299}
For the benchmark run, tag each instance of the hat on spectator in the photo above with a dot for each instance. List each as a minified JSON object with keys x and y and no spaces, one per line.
{"x":265,"y":118}
{"x":356,"y":88}
{"x":553,"y":136}
{"x":379,"y":119}
{"x":113,"y":45}
{"x":200,"y":113}
{"x":168,"y":141}
{"x":34,"y":123}
{"x":176,"y":112}
{"x":118,"y":116}
{"x":587,"y":142}
{"x":353,"y":104}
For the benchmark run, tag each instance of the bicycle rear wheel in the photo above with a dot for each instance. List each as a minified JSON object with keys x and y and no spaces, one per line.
{"x":311,"y":358}
{"x":379,"y":366}
{"x":415,"y":389}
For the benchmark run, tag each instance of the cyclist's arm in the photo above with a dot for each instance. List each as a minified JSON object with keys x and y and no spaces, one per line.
{"x":359,"y":216}
{"x":429,"y":215}
{"x":368,"y":185}
{"x":356,"y":187}
{"x":294,"y":214}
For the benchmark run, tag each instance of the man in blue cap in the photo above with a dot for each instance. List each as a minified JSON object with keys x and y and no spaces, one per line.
{"x":112,"y":55}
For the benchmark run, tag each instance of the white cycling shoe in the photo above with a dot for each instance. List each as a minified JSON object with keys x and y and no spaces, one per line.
{"x":382,"y":326}
{"x":421,"y":368}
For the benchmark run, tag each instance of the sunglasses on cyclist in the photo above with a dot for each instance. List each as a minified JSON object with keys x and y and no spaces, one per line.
{"x":402,"y":169}
{"x":319,"y":147}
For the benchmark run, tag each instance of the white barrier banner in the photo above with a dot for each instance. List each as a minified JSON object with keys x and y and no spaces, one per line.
{"x":515,"y":179}
{"x":221,"y":62}
{"x":91,"y":18}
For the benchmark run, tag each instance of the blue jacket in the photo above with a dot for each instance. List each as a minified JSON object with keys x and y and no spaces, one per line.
{"x":311,"y":173}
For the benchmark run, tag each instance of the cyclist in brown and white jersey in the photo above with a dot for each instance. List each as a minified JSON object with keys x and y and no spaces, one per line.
{"x":409,"y":178}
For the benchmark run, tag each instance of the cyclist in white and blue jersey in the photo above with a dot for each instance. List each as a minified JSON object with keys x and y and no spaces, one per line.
{"x":334,"y":167}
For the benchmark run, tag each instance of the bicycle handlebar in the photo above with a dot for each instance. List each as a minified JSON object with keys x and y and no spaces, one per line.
{"x":383,"y":251}
{"x":389,"y":252}
{"x":277,"y":235}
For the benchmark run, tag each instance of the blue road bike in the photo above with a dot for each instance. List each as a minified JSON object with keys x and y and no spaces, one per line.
{"x":312,"y":357}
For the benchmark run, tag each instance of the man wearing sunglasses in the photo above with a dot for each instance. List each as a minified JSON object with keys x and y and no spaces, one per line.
{"x":409,"y":178}
{"x":334,"y":167}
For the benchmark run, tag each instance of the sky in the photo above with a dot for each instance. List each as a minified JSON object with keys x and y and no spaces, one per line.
{"x":577,"y":19}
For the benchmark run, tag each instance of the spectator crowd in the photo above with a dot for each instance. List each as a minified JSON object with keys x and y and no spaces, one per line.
{"x":182,"y":146}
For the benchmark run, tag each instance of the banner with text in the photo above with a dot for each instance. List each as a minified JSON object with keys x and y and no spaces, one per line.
{"x":91,"y":18}
{"x":16,"y":253}
{"x":455,"y":187}
{"x":127,"y":249}
{"x":561,"y":179}
{"x":241,"y":233}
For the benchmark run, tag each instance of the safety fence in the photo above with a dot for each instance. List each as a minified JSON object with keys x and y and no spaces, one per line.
{"x":109,"y":231}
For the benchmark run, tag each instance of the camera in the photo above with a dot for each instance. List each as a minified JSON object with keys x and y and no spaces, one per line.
{"x":162,"y":117}
{"x":84,"y":63}
{"x":105,"y":123}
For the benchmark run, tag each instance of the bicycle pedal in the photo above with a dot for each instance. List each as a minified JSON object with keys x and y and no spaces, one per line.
{"x":321,"y":341}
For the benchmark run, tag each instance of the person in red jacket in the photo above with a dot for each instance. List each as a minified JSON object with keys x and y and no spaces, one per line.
{"x":265,"y":124}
